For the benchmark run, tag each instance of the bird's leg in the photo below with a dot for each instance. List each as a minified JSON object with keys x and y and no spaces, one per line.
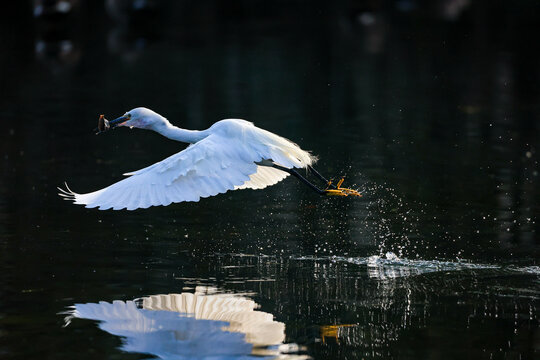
{"x":300,"y":177}
{"x":322,"y":178}
{"x":332,"y":189}
{"x":335,"y":191}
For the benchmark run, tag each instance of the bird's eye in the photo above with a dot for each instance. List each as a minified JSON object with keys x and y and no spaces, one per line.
{"x":128,"y":116}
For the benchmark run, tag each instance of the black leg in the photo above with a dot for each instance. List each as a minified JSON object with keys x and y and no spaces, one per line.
{"x":300,"y":177}
{"x":322,"y":178}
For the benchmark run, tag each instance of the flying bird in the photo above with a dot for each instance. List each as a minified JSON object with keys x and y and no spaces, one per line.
{"x":232,"y":154}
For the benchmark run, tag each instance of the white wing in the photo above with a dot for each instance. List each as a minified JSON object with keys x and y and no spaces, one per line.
{"x":265,"y":176}
{"x":202,"y":324}
{"x":225,"y":160}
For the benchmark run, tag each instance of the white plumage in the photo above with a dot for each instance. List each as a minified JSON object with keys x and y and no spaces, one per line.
{"x":227,"y":156}
{"x":187,"y":325}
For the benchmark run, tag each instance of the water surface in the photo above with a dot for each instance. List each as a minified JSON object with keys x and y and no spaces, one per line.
{"x":432,"y":112}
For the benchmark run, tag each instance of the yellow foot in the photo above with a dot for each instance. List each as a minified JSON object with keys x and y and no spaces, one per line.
{"x":334,"y":192}
{"x":339,"y":191}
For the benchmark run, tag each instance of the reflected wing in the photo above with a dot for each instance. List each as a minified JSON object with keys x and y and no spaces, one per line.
{"x":259,"y":327}
{"x":211,"y":166}
{"x":215,"y":324}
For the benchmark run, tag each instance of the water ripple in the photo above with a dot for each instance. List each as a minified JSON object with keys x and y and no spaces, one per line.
{"x":390,"y":266}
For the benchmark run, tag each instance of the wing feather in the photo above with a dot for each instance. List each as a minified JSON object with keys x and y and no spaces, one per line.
{"x":207,"y":168}
{"x":225,"y":160}
{"x":265,"y":176}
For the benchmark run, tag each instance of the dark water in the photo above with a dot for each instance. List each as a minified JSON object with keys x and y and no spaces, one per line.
{"x":430,"y":109}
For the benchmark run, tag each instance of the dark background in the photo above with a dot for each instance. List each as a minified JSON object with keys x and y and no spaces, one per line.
{"x":429,"y":107}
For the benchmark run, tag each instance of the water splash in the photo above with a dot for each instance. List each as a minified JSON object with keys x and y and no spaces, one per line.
{"x":390,"y":221}
{"x":391,"y":266}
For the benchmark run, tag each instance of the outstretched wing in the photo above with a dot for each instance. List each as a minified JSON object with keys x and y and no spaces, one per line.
{"x":211,"y":166}
{"x":225,"y":160}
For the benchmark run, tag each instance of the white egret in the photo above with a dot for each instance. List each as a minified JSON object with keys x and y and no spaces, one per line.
{"x":232,"y":154}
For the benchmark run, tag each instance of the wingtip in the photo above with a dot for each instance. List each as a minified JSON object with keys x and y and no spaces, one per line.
{"x":67,"y":187}
{"x":67,"y":193}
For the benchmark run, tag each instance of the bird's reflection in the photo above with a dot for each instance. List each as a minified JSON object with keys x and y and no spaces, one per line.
{"x":332,"y":331}
{"x":188,"y":325}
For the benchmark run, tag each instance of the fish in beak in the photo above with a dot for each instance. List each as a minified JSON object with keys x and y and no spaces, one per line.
{"x":105,"y":125}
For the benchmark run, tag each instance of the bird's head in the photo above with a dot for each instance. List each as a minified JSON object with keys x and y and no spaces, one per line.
{"x":141,"y":118}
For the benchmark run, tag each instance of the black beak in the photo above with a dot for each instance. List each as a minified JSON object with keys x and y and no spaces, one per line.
{"x":104,"y":124}
{"x":114,"y":123}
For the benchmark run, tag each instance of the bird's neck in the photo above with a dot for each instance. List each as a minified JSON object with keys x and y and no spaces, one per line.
{"x":183,"y":135}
